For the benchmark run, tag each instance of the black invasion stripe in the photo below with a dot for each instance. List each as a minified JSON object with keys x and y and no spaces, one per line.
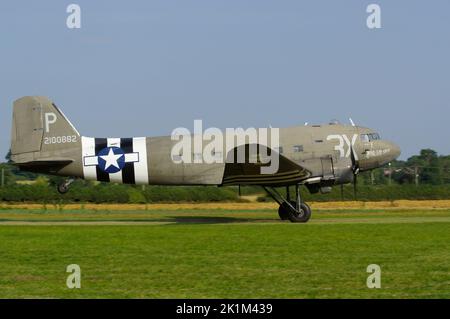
{"x":128,"y":177}
{"x":101,"y":143}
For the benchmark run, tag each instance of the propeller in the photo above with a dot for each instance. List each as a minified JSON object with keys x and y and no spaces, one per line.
{"x":355,"y":168}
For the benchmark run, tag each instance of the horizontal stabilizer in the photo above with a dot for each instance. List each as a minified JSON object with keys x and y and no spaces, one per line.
{"x":50,"y":165}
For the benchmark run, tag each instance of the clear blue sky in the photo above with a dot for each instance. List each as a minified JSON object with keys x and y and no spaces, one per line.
{"x":142,"y":68}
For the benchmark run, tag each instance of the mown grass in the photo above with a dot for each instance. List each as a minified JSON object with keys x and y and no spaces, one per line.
{"x":213,"y":215}
{"x":226,"y":254}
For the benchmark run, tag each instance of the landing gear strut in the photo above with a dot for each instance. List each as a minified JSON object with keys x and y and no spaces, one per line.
{"x":63,"y":187}
{"x":294,"y":210}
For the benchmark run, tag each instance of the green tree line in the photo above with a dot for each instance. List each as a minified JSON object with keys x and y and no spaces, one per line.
{"x":427,"y":168}
{"x":114,"y":193}
{"x":423,"y":176}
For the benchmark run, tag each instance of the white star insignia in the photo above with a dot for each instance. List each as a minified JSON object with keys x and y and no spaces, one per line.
{"x":111,"y":159}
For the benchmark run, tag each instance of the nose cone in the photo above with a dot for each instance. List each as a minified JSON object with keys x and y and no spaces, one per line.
{"x":381,"y":153}
{"x":395,"y":151}
{"x":391,"y":152}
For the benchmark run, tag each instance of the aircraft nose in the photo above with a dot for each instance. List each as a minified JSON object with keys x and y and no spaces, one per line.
{"x":394,"y":151}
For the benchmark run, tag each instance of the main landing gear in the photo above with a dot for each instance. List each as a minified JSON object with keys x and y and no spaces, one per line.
{"x":63,"y":187}
{"x":294,"y":210}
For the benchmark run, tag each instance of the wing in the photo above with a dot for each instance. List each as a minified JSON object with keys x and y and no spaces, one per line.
{"x":249,"y":172}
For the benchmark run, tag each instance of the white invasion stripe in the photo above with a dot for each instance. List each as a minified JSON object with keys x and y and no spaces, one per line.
{"x":140,"y":167}
{"x":115,"y":177}
{"x":88,"y":151}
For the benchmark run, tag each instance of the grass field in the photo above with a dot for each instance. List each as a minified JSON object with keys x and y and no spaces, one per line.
{"x":224,"y":252}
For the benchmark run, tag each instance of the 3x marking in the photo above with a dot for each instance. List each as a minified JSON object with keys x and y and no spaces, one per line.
{"x":344,"y":142}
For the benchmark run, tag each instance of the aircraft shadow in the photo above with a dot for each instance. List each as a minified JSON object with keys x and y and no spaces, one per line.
{"x":213,"y":220}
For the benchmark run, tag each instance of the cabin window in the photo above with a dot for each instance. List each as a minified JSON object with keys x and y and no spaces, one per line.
{"x":370,"y":137}
{"x":364,"y":138}
{"x":374,"y":136}
{"x":297,"y":148}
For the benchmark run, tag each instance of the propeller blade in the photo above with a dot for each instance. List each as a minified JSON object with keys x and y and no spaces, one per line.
{"x":355,"y":170}
{"x":355,"y":161}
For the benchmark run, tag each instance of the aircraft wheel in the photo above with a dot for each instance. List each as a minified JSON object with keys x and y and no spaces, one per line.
{"x":301,"y":216}
{"x":283,"y":210}
{"x":63,"y":188}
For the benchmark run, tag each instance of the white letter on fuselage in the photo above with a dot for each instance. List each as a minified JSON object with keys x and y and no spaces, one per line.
{"x":50,"y":118}
{"x":340,"y":146}
{"x":350,"y":144}
{"x":343,"y":140}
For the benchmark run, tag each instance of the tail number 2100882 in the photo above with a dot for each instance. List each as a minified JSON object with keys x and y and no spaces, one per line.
{"x":60,"y":139}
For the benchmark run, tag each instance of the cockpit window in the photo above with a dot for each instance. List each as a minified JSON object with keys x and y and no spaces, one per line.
{"x":370,"y":137}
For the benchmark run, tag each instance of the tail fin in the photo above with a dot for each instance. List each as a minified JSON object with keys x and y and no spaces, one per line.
{"x":39,"y":129}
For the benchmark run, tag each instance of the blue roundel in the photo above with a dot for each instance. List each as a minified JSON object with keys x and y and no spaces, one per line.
{"x":111,"y":159}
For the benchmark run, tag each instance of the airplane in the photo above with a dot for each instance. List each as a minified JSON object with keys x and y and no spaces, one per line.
{"x":317,"y":157}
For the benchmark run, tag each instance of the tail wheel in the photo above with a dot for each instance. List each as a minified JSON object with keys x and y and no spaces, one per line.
{"x":62,"y":188}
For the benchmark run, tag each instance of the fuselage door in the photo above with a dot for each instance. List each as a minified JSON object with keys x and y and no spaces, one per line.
{"x":327,"y":167}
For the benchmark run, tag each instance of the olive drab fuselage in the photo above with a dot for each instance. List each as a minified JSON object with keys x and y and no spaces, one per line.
{"x":44,"y":140}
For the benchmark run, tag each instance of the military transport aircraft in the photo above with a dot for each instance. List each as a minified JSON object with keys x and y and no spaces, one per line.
{"x":315,"y":156}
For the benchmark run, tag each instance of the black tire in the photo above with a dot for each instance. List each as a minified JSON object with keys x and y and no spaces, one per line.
{"x":62,"y":188}
{"x":301,"y":216}
{"x":283,"y":210}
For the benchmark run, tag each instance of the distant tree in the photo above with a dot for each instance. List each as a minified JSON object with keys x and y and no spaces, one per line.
{"x":429,"y":166}
{"x":444,"y":164}
{"x":8,"y":156}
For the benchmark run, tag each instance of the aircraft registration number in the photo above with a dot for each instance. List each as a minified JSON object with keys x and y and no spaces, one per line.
{"x":60,"y":139}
